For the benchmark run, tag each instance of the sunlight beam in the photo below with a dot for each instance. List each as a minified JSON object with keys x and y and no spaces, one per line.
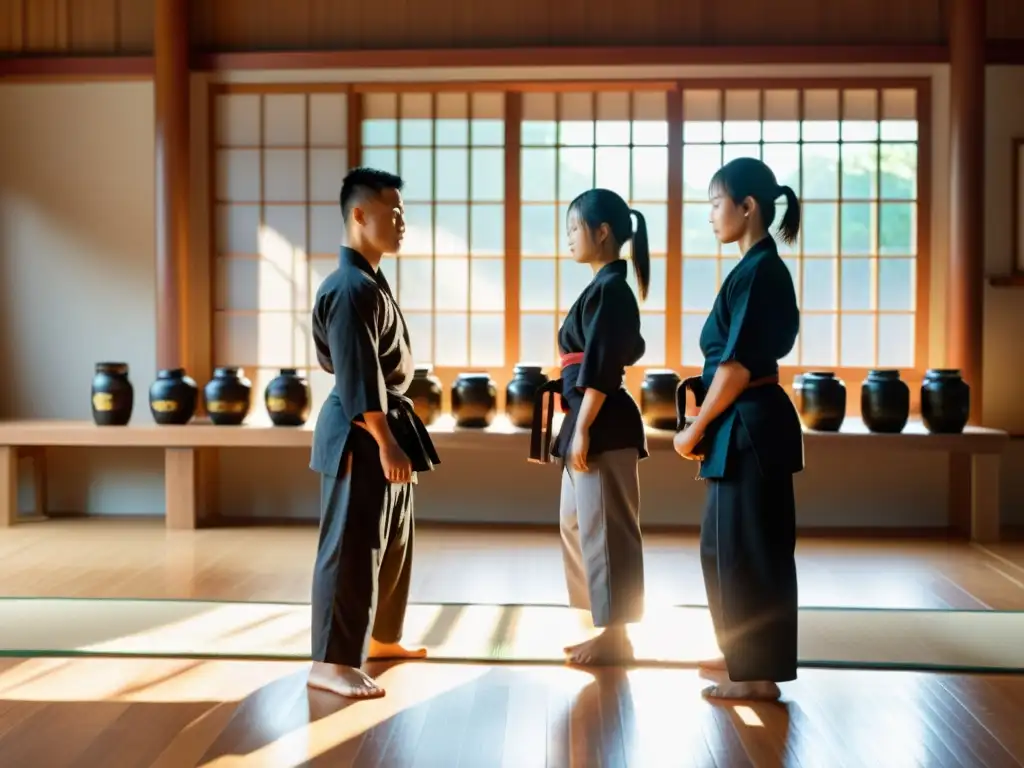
{"x":315,"y":739}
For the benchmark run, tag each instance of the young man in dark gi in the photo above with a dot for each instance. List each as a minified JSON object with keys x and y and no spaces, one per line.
{"x":367,"y":447}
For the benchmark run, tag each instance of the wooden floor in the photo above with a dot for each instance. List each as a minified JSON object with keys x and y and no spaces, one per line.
{"x":178,"y":714}
{"x":175,"y":714}
{"x":112,"y":558}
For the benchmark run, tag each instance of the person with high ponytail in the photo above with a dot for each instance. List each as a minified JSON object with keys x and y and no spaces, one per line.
{"x":748,"y":439}
{"x":602,"y":438}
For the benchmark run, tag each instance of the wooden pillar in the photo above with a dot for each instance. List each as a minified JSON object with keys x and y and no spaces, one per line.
{"x":172,"y":125}
{"x":967,"y":194}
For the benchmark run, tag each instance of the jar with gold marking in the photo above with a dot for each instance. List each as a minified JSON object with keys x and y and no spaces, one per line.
{"x":173,"y":397}
{"x":227,"y":397}
{"x":113,"y":396}
{"x":287,"y":399}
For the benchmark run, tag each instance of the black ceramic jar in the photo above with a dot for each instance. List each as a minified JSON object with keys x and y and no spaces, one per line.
{"x":945,"y":401}
{"x":820,"y":400}
{"x":287,"y":399}
{"x":658,"y":398}
{"x":227,"y":397}
{"x":521,"y":392}
{"x":113,"y":395}
{"x":426,"y":394}
{"x":884,"y":401}
{"x":173,"y":397}
{"x":474,"y":400}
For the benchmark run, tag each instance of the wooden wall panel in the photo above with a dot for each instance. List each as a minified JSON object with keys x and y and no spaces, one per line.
{"x":1005,"y":19}
{"x":238,"y":25}
{"x":77,"y":27}
{"x":126,"y":26}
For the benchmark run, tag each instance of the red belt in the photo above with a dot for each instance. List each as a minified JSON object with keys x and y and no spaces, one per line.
{"x":570,"y":358}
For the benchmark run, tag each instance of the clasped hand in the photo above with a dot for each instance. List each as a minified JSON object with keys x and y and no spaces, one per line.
{"x":395,"y":463}
{"x":393,"y":460}
{"x":686,"y":441}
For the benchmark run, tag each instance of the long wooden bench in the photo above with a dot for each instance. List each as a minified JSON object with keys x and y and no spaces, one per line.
{"x":975,"y":458}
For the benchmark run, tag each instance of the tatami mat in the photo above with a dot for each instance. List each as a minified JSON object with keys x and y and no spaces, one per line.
{"x":834,"y":637}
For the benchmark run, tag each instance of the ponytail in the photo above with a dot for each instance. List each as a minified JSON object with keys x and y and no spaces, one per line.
{"x":642,"y":254}
{"x":789,"y":227}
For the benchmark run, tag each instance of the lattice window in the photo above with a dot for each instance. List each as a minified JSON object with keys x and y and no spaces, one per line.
{"x":450,"y":276}
{"x":852,"y":155}
{"x":280,"y":158}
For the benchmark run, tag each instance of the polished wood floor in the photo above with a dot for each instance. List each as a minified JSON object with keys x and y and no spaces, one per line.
{"x":178,"y":714}
{"x":113,"y":558}
{"x":174,"y":714}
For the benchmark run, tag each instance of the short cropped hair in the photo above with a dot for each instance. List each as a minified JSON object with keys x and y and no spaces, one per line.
{"x":360,"y":183}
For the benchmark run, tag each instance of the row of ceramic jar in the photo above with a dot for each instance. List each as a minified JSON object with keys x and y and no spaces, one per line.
{"x":227,"y":397}
{"x":174,"y":397}
{"x":474,"y":396}
{"x":820,"y":399}
{"x":819,"y":396}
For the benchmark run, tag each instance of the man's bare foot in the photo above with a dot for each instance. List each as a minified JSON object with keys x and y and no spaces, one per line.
{"x":760,"y":690}
{"x":610,"y":647}
{"x":344,"y":681}
{"x":716,"y":664}
{"x":380,"y":650}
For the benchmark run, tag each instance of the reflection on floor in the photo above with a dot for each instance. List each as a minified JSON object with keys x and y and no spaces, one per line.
{"x":172,"y":714}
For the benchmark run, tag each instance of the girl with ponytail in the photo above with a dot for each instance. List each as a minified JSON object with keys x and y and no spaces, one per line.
{"x":602,"y":438}
{"x":748,"y":439}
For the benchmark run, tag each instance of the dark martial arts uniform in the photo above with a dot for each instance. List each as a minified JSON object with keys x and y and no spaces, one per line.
{"x":602,"y":547}
{"x":364,"y":556}
{"x":750,"y":454}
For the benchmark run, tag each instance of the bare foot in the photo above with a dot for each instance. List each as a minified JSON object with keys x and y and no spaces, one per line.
{"x":394,"y":651}
{"x":610,"y":647}
{"x":760,"y":690}
{"x":716,"y":664}
{"x":344,"y":681}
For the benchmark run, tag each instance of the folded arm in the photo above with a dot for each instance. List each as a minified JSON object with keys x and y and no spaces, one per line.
{"x":728,"y":384}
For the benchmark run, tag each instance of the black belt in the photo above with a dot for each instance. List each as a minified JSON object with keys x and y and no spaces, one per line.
{"x":540,"y":434}
{"x":544,"y":414}
{"x":410,"y":433}
{"x":696,"y":385}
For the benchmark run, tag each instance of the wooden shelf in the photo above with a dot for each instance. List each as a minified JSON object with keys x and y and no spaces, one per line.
{"x":190,"y":453}
{"x":201,"y":434}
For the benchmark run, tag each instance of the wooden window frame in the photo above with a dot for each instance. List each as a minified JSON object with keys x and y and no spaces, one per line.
{"x":674,"y":89}
{"x":1017,"y":205}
